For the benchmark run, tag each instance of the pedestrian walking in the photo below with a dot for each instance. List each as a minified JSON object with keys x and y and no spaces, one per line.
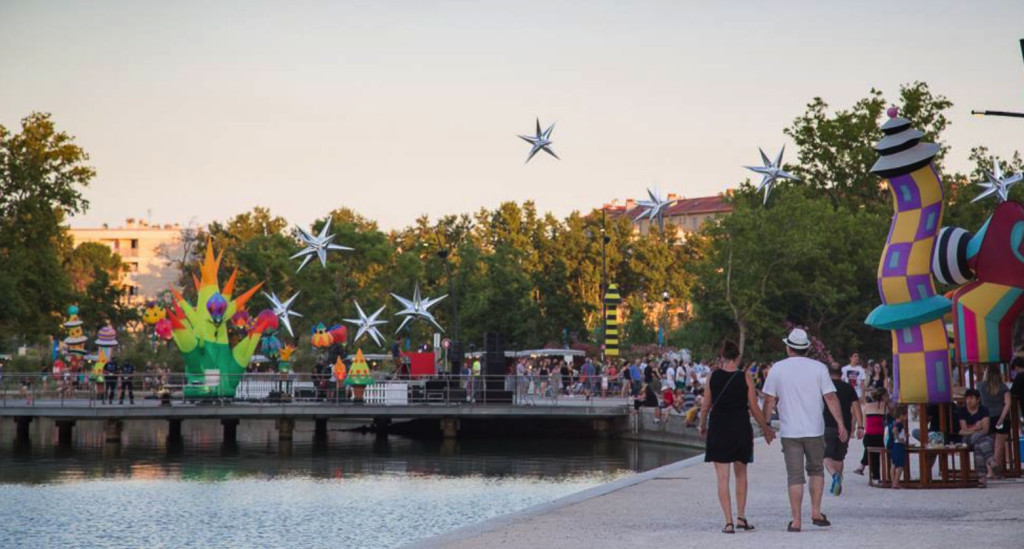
{"x":725,"y":423}
{"x":798,"y":384}
{"x":835,"y":449}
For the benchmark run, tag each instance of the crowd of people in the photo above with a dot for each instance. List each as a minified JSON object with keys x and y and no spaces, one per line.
{"x":114,"y":379}
{"x":820,"y":407}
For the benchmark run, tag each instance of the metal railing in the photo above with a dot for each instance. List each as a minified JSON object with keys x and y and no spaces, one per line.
{"x":146,"y":388}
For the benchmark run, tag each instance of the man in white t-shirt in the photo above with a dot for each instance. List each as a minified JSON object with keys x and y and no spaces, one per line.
{"x":853,"y":373}
{"x":670,"y":376}
{"x":798,"y":385}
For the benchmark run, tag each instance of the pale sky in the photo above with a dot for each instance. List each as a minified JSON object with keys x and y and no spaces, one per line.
{"x":201,"y":110}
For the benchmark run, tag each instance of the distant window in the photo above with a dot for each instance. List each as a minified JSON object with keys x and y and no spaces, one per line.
{"x":133,"y":291}
{"x":135,"y":243}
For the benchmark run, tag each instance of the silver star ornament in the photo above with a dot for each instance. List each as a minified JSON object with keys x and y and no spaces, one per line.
{"x":655,"y":207}
{"x":283,"y":309}
{"x":317,"y":246}
{"x":367,"y":324}
{"x":540,"y":142}
{"x":997,"y":184}
{"x":771,"y":172}
{"x":417,"y":308}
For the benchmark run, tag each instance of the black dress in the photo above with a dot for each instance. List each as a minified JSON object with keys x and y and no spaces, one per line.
{"x":730,"y":436}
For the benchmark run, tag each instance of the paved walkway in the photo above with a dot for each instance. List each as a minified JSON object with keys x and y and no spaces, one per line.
{"x":677,"y":507}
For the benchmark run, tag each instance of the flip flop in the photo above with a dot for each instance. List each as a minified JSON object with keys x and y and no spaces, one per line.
{"x":823,"y":521}
{"x":790,"y":528}
{"x":728,"y":529}
{"x":745,"y":525}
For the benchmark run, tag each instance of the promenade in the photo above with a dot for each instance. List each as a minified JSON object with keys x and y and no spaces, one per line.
{"x":676,"y":506}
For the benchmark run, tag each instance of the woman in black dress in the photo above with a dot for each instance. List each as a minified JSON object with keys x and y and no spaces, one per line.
{"x":729,"y":403}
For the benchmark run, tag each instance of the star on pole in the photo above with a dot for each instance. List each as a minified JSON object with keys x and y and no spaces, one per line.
{"x":317,"y":246}
{"x":540,"y":142}
{"x":655,"y":207}
{"x":417,"y":308}
{"x":771,"y":172}
{"x":367,"y":324}
{"x":997,"y":184}
{"x":283,"y":310}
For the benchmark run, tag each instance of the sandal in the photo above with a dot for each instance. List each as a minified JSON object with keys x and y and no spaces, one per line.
{"x":791,"y":528}
{"x":742,"y":523}
{"x":729,"y":529}
{"x":823,"y":521}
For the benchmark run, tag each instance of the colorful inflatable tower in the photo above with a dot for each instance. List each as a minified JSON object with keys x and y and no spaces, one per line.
{"x":910,"y":307}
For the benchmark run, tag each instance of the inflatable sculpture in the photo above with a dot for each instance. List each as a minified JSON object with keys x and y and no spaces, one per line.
{"x":358,"y":376}
{"x":910,"y":308}
{"x":76,"y":339}
{"x":212,"y":367}
{"x":985,"y":309}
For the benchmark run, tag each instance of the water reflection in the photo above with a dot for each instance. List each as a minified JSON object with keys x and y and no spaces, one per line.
{"x":200,"y":453}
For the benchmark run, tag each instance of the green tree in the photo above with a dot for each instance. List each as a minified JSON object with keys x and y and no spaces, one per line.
{"x":42,"y":174}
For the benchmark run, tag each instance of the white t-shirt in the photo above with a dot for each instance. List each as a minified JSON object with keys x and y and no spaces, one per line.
{"x":800,"y":383}
{"x":854,"y":375}
{"x":670,"y":376}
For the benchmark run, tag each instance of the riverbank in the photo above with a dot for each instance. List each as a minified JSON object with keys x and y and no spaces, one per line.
{"x":677,"y":506}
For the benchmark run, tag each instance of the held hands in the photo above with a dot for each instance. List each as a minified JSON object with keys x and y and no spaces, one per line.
{"x":860,"y":432}
{"x":769,"y":435}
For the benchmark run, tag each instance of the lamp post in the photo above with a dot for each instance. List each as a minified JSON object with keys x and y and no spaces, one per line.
{"x":604,"y":279}
{"x":1003,"y":113}
{"x":664,"y":323}
{"x":443,"y":253}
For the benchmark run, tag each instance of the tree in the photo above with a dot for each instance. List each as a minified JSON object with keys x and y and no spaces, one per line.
{"x":42,"y":174}
{"x":836,"y":150}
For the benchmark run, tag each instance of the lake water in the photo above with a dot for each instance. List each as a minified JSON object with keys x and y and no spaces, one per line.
{"x":357,"y":491}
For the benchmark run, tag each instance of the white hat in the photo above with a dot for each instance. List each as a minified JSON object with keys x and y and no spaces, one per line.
{"x":797,"y":339}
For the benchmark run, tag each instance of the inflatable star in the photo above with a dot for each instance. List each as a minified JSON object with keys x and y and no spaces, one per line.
{"x":997,"y":184}
{"x":283,"y":309}
{"x":317,"y":246}
{"x":771,"y":172}
{"x":367,"y":325}
{"x":540,"y":142}
{"x":655,"y":207}
{"x":417,"y":308}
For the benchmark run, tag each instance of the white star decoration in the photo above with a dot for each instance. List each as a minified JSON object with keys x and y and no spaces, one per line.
{"x":367,"y":324}
{"x":417,"y":308}
{"x":771,"y":172}
{"x":541,"y":141}
{"x":317,"y":246}
{"x":283,"y":309}
{"x":997,"y":184}
{"x":655,"y":207}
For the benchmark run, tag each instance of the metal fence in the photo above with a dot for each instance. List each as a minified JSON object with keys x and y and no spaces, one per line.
{"x":144,"y":388}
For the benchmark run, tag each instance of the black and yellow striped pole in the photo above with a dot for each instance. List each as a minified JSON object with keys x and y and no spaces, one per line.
{"x":611,"y":321}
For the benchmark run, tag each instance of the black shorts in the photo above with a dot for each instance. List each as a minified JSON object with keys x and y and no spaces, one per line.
{"x":834,"y":448}
{"x":995,"y":430}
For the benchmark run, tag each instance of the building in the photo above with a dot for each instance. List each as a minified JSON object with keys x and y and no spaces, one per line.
{"x":145,"y":248}
{"x":685,"y":214}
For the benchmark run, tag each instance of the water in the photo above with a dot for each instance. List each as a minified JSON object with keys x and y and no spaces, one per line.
{"x":357,"y":492}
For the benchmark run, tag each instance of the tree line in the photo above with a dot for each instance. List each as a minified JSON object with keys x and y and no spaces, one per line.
{"x":807,"y":258}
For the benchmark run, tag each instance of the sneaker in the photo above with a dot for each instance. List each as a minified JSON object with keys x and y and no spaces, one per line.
{"x":832,"y":487}
{"x":838,"y":481}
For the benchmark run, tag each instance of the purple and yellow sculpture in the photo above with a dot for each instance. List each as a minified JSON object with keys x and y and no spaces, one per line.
{"x":983,"y":310}
{"x":910,"y":308}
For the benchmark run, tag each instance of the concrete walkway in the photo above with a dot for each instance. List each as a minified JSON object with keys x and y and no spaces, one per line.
{"x":677,"y":506}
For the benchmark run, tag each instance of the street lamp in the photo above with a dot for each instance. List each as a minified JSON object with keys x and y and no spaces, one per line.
{"x":1003,"y":113}
{"x":664,"y":324}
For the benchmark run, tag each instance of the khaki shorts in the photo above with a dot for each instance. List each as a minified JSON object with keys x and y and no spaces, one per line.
{"x":803,"y":453}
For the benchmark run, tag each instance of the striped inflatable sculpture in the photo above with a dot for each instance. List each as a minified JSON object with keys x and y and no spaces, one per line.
{"x":910,"y":308}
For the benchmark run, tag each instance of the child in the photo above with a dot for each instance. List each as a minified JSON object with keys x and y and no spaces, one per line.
{"x":898,"y":446}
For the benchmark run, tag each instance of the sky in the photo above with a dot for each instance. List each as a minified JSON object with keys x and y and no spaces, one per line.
{"x":197,"y":111}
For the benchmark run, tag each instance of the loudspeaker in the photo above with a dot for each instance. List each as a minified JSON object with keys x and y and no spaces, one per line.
{"x":456,"y":356}
{"x":494,"y":360}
